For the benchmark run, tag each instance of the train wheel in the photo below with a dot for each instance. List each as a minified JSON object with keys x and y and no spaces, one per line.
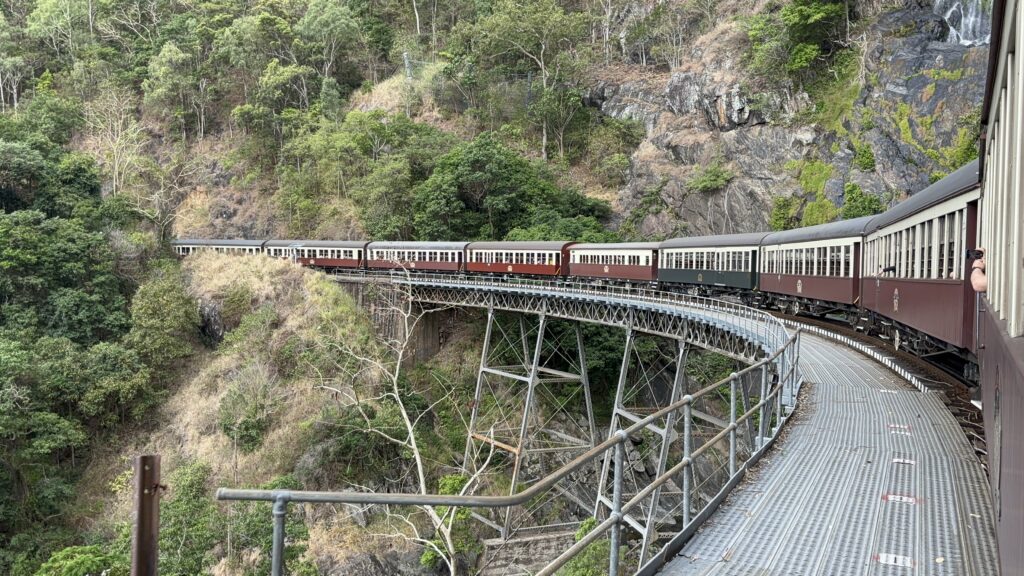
{"x":795,"y":308}
{"x":897,"y":339}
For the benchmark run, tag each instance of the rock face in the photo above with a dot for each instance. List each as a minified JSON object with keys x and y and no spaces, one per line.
{"x":918,"y":104}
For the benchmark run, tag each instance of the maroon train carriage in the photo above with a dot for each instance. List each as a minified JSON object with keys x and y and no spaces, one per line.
{"x":1000,"y":329}
{"x":319,"y":253}
{"x":814,"y":269}
{"x":624,"y":261}
{"x":549,"y":258}
{"x":185,"y":247}
{"x":431,"y":256}
{"x":916,"y":271}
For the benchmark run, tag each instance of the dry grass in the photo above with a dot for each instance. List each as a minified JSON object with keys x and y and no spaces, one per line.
{"x":185,"y":427}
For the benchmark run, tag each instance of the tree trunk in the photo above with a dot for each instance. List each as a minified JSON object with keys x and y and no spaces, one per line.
{"x":544,"y":140}
{"x":416,"y":10}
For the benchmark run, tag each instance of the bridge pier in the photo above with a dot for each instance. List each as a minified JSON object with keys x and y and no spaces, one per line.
{"x":531,"y":376}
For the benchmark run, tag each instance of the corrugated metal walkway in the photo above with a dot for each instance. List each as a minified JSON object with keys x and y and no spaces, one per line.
{"x":873,"y":478}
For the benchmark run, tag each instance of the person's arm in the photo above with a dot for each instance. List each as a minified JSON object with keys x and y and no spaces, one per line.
{"x":979,"y":280}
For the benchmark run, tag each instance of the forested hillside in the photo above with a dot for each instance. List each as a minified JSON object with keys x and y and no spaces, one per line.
{"x":126,"y":123}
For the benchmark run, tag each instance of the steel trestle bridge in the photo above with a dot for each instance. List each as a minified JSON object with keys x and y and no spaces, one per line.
{"x":666,"y":462}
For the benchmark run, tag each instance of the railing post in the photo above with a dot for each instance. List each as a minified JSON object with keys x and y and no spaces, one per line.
{"x":146,"y":532}
{"x":732,"y":424}
{"x":762,"y":420}
{"x":613,"y":555}
{"x":688,"y":469}
{"x":277,"y":552}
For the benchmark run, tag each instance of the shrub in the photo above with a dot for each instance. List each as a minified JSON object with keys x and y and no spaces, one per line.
{"x":247,"y":410}
{"x":190,"y":525}
{"x":856,"y":203}
{"x":820,"y":211}
{"x":84,"y":561}
{"x":710,"y":179}
{"x":864,"y":157}
{"x":614,"y":169}
{"x":783,"y":214}
{"x":164,"y":318}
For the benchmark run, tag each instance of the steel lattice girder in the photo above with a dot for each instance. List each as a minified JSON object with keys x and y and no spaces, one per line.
{"x":721,"y":338}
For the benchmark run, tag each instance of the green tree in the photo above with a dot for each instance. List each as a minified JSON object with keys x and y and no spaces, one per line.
{"x":58,"y":278}
{"x":84,"y":561}
{"x":164,"y":319}
{"x":59,"y":23}
{"x":329,"y":26}
{"x":784,"y":213}
{"x":856,"y":203}
{"x":539,"y":33}
{"x":482,"y":189}
{"x":22,"y":168}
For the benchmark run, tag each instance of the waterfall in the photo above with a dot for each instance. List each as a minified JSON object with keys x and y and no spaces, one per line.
{"x":970,"y":21}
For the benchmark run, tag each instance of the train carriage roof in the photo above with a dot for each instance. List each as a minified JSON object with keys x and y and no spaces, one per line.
{"x":556,"y":245}
{"x":617,"y":246}
{"x":830,"y":231}
{"x":204,"y":242}
{"x":724,"y":240}
{"x":317,"y":243}
{"x":962,"y":180}
{"x":417,"y":245}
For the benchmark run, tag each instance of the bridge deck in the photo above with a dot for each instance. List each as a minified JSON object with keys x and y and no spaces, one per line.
{"x":873,"y":478}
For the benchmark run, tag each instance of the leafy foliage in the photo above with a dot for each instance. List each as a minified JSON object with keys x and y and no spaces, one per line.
{"x":84,"y":561}
{"x":784,"y":211}
{"x":819,"y":211}
{"x":164,"y":318}
{"x":483,"y":189}
{"x":710,"y":178}
{"x":864,"y":157}
{"x":856,"y":203}
{"x":189,"y":522}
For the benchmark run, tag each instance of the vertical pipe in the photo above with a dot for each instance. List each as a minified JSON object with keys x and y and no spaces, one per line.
{"x":146,"y":532}
{"x":277,"y":552}
{"x":732,"y":424}
{"x":688,"y":469}
{"x":613,"y":556}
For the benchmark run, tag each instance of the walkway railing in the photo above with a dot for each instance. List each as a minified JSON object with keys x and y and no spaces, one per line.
{"x":779,"y":372}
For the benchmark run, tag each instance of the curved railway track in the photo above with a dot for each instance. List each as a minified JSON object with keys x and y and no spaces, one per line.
{"x":954,"y":392}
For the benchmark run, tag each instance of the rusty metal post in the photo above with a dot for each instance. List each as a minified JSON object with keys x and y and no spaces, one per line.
{"x":146,"y":532}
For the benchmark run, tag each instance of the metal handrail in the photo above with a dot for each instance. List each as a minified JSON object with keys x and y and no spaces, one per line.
{"x":786,"y":354}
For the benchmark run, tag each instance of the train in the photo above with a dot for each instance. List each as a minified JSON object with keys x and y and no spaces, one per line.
{"x":902,"y":276}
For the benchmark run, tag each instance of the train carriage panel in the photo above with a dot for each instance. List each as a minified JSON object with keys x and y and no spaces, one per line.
{"x":185,"y":247}
{"x":540,"y":258}
{"x":429,"y":256}
{"x":320,"y":253}
{"x":729,"y":261}
{"x":915,"y":266}
{"x":624,"y":261}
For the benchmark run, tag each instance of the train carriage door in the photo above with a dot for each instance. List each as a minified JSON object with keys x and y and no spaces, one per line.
{"x":855,"y":273}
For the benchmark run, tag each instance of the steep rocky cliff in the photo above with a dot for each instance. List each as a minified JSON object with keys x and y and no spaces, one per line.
{"x":904,"y":113}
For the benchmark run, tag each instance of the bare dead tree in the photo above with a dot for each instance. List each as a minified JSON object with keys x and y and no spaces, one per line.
{"x":110,"y":119}
{"x":162,"y":189}
{"x":371,"y":375}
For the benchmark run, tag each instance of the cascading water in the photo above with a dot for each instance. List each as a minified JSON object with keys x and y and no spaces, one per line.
{"x":970,"y":21}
